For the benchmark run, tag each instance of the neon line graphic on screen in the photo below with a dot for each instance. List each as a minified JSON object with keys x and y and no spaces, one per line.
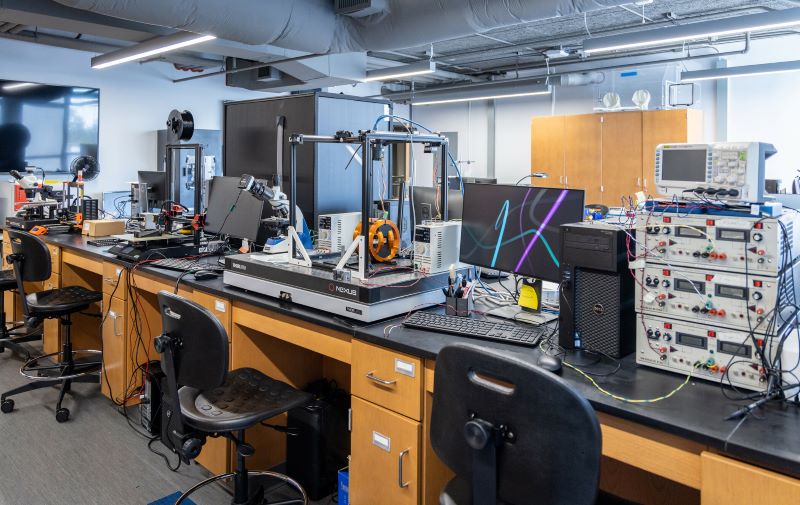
{"x":547,"y":219}
{"x":533,"y":250}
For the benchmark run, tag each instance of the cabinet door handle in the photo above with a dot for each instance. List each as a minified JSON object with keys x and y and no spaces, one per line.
{"x":645,"y":183}
{"x":113,"y":316}
{"x":561,"y":179}
{"x":371,"y":376}
{"x":400,"y":469}
{"x":639,"y":182}
{"x":566,"y":180}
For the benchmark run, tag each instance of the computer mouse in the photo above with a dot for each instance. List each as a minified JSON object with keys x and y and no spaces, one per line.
{"x":203,"y":275}
{"x":549,"y":363}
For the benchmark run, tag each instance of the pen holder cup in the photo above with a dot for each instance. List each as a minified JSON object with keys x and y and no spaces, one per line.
{"x":457,"y":306}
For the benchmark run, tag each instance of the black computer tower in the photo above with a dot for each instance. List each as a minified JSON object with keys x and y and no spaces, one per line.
{"x":150,"y":404}
{"x":320,"y":447}
{"x":597,"y":290}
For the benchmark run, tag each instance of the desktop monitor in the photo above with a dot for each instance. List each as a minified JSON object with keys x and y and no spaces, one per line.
{"x":426,"y":202}
{"x":156,"y":185}
{"x":516,"y":228}
{"x":234,"y":212}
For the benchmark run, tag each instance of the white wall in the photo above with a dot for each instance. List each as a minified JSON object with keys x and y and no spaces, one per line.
{"x":135,"y":101}
{"x":767,"y":107}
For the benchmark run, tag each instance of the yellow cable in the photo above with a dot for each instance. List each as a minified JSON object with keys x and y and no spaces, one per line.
{"x":628,"y":400}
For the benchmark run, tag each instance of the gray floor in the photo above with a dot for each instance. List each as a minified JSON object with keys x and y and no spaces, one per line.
{"x":94,"y":458}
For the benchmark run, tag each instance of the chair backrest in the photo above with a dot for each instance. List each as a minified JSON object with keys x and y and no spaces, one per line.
{"x":31,"y":262}
{"x":552,"y":455}
{"x":200,"y":360}
{"x":35,"y":264}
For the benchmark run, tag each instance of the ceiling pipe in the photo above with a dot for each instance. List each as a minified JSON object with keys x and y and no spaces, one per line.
{"x":556,"y":76}
{"x":313,"y":25}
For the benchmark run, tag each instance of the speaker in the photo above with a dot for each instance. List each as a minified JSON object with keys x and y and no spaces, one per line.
{"x":597,"y":290}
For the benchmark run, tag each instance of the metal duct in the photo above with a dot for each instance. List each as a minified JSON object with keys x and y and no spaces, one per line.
{"x":313,"y":26}
{"x":581,"y":79}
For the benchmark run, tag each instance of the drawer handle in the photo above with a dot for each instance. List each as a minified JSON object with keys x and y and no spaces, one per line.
{"x":371,"y":376}
{"x":400,"y":469}
{"x":113,"y":316}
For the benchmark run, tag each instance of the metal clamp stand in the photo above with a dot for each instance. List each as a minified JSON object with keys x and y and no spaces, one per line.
{"x":198,"y":180}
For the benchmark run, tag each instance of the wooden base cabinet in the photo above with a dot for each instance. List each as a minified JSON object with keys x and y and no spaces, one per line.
{"x":385,"y":461}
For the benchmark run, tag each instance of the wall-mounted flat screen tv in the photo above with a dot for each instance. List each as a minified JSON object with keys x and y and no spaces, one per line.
{"x":46,"y":126}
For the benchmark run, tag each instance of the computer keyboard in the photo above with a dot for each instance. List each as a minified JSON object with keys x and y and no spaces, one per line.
{"x":104,"y":242}
{"x":477,"y":328}
{"x":185,"y":265}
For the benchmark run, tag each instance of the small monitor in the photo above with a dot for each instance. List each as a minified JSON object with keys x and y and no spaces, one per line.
{"x":156,"y":185}
{"x":426,"y":203}
{"x":234,"y":212}
{"x":516,"y":228}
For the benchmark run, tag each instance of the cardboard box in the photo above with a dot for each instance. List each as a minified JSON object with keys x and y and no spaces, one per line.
{"x":103,"y":227}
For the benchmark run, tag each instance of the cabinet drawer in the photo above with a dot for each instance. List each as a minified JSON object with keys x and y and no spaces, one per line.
{"x":55,"y":258}
{"x":113,"y":275}
{"x":384,"y":456}
{"x":387,"y":378}
{"x":220,"y":307}
{"x":54,"y":282}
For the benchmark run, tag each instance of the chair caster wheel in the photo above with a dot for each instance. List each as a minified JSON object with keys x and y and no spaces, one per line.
{"x":62,"y":415}
{"x":7,"y":406}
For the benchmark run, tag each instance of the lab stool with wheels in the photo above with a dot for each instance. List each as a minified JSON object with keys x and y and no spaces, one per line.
{"x":202,"y":398}
{"x":32,"y":263}
{"x":14,"y":334}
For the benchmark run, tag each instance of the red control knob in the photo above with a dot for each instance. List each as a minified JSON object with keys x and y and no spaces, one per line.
{"x":723,"y":256}
{"x":662,"y":296}
{"x":759,"y":311}
{"x":714,"y":255}
{"x":762,"y":252}
{"x":662,"y":350}
{"x":721,"y":312}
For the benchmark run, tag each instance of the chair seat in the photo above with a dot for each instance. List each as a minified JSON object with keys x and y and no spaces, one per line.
{"x":245,"y":398}
{"x":7,"y":280}
{"x":56,"y":302}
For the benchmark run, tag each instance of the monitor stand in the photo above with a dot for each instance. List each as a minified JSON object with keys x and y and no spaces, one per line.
{"x":518,"y":314}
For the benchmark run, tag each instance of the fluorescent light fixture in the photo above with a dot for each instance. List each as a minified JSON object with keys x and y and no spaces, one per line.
{"x":743,"y":71}
{"x":149,"y":48}
{"x":386,"y":74}
{"x":485,"y":92}
{"x":19,"y":85}
{"x":694,"y":31}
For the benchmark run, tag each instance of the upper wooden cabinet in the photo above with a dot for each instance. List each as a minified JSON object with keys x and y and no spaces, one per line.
{"x":608,"y":155}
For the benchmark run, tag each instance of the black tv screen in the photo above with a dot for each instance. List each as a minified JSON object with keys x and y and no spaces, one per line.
{"x":46,"y":126}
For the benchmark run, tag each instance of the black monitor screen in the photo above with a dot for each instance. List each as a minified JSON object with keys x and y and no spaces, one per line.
{"x":156,"y":184}
{"x":232,"y":211}
{"x":516,"y":228}
{"x":683,"y":165}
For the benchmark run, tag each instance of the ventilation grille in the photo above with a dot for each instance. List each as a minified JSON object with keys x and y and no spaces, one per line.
{"x":351,"y":6}
{"x":597,"y":311}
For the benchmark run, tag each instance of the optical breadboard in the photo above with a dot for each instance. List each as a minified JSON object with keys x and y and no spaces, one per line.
{"x":726,"y":299}
{"x":711,"y":353}
{"x":746,"y":244}
{"x":436,"y":246}
{"x":335,"y":231}
{"x":378,"y":297}
{"x":730,"y":171}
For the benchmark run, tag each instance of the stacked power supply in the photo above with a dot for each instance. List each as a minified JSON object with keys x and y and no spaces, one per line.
{"x":716,"y":295}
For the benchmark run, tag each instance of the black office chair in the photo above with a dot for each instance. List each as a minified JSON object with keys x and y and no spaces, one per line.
{"x":212,"y":400}
{"x":14,"y":334}
{"x":32,"y":263}
{"x":513,"y":433}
